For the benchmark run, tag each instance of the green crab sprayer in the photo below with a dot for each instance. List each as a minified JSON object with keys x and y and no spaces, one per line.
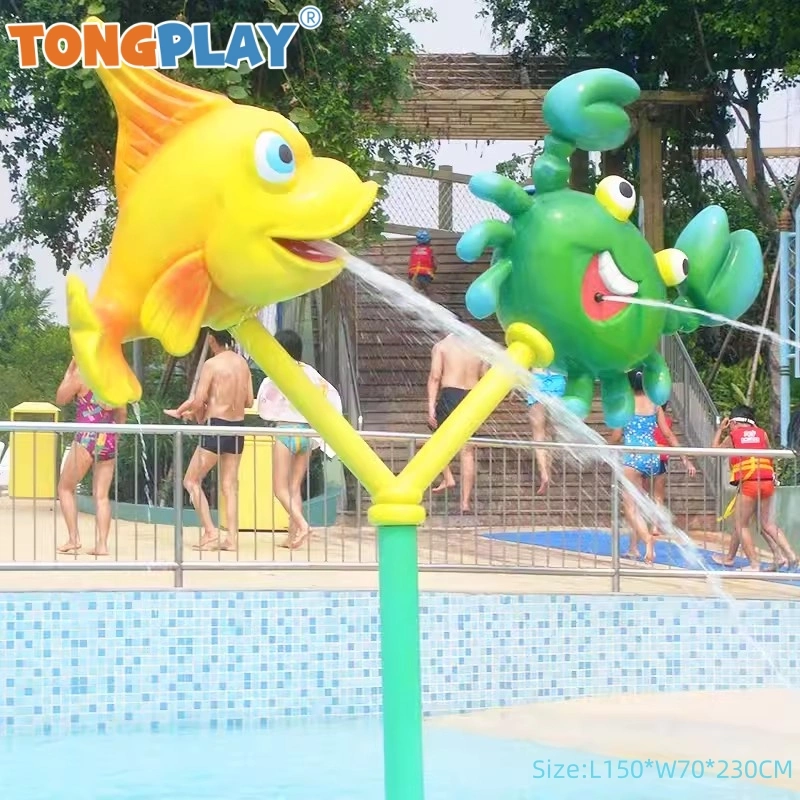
{"x":563,"y":251}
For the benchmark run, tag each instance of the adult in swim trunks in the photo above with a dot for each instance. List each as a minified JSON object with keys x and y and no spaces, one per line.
{"x":454,"y":371}
{"x":449,"y":399}
{"x":90,"y":450}
{"x":550,"y":384}
{"x":224,"y":391}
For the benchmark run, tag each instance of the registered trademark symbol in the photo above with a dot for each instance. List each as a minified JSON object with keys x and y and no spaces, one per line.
{"x":309,"y":17}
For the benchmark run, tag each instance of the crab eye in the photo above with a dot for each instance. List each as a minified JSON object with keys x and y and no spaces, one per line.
{"x":673,"y":265}
{"x":616,"y":196}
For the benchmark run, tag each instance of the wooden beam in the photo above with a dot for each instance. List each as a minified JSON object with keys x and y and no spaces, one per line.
{"x":712,"y":154}
{"x":651,"y":182}
{"x":411,"y":230}
{"x":470,"y":96}
{"x":421,"y":172}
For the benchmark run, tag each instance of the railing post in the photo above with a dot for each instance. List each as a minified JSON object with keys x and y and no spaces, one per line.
{"x":177,"y":499}
{"x":615,"y":582}
{"x":445,"y":198}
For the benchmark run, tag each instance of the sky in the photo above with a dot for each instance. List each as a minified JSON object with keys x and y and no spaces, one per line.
{"x":457,"y":30}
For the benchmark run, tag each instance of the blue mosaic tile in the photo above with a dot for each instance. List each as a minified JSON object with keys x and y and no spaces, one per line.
{"x":99,"y":661}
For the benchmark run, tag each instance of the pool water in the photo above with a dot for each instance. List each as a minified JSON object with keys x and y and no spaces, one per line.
{"x":337,"y":760}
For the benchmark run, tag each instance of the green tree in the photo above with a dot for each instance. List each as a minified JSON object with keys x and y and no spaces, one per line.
{"x":34,"y":350}
{"x":680,"y":44}
{"x":59,"y":129}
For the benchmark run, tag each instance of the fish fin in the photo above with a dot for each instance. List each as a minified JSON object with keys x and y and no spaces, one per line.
{"x":223,"y":313}
{"x":98,"y":352}
{"x":175,"y":306}
{"x":151,"y":109}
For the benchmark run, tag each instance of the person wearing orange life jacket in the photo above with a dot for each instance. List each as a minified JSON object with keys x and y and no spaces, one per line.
{"x":754,"y":477}
{"x":422,"y":262}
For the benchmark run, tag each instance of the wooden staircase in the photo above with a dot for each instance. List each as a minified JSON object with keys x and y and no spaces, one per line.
{"x":393,"y":358}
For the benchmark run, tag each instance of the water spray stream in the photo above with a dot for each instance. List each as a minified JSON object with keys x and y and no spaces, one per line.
{"x":732,"y":323}
{"x":567,"y":426}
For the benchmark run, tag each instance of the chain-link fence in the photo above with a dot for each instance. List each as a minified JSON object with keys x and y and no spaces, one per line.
{"x":440,"y":199}
{"x":435,"y":199}
{"x":783,"y":162}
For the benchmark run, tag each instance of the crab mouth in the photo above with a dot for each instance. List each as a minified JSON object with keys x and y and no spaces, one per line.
{"x":603,"y":277}
{"x":317,"y":252}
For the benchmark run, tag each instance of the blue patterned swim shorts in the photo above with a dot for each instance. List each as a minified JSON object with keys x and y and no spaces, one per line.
{"x":549,"y":383}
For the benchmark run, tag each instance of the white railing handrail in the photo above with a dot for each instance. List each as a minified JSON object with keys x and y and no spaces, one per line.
{"x":172,"y":429}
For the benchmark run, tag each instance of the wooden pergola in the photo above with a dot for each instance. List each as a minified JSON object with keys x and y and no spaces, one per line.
{"x":490,"y":97}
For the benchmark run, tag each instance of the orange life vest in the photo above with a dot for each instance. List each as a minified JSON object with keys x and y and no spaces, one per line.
{"x":421,"y":261}
{"x":660,"y":439}
{"x":750,"y":468}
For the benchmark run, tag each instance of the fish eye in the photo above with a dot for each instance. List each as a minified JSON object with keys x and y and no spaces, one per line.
{"x":673,"y":266}
{"x":274,"y":158}
{"x":617,"y":196}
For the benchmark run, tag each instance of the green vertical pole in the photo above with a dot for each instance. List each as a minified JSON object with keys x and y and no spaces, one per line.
{"x":400,"y":662}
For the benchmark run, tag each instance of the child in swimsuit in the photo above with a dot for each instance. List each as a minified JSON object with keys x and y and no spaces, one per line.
{"x":292,"y":453}
{"x":101,"y":446}
{"x":641,"y":468}
{"x":754,"y":477}
{"x":90,"y":450}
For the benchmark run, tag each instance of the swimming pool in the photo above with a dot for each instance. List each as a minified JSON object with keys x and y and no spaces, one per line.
{"x":339,"y":760}
{"x":214,"y":694}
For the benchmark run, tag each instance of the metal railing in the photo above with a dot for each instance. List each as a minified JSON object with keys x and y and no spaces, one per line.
{"x":693,"y":406}
{"x":576,"y":529}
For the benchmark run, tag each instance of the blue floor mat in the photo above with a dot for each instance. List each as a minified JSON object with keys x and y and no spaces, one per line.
{"x":598,"y":543}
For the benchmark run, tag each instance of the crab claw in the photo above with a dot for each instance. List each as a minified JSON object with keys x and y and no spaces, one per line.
{"x":588,"y":109}
{"x":726,"y":270}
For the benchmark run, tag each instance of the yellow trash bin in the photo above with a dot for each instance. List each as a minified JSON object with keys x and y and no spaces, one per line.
{"x":259,"y":510}
{"x":34,"y":456}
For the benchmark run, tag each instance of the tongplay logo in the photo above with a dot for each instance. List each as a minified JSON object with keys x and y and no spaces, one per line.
{"x":143,"y":44}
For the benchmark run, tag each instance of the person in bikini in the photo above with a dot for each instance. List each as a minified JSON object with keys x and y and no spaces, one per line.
{"x":224,"y":392}
{"x":641,"y":468}
{"x":292,"y":454}
{"x":455,"y":370}
{"x":754,"y":478}
{"x":95,"y":451}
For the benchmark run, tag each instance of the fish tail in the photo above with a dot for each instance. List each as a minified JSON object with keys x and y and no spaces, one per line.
{"x":98,"y":352}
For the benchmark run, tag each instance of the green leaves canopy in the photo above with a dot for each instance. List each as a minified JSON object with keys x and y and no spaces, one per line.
{"x":58,"y":129}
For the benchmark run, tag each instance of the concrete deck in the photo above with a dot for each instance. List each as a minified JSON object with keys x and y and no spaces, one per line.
{"x":31,"y":532}
{"x":752,"y":725}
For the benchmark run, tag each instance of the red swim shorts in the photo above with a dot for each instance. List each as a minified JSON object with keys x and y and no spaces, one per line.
{"x":758,"y":490}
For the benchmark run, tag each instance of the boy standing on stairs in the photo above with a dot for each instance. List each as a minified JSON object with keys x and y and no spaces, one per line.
{"x":455,"y":370}
{"x":421,"y":263}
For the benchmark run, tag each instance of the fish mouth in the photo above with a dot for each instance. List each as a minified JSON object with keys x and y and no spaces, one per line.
{"x":604,"y":277}
{"x":316,"y":251}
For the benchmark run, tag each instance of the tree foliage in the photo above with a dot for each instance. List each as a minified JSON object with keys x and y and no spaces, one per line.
{"x":58,"y":127}
{"x":681,"y":45}
{"x":34,"y":350}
